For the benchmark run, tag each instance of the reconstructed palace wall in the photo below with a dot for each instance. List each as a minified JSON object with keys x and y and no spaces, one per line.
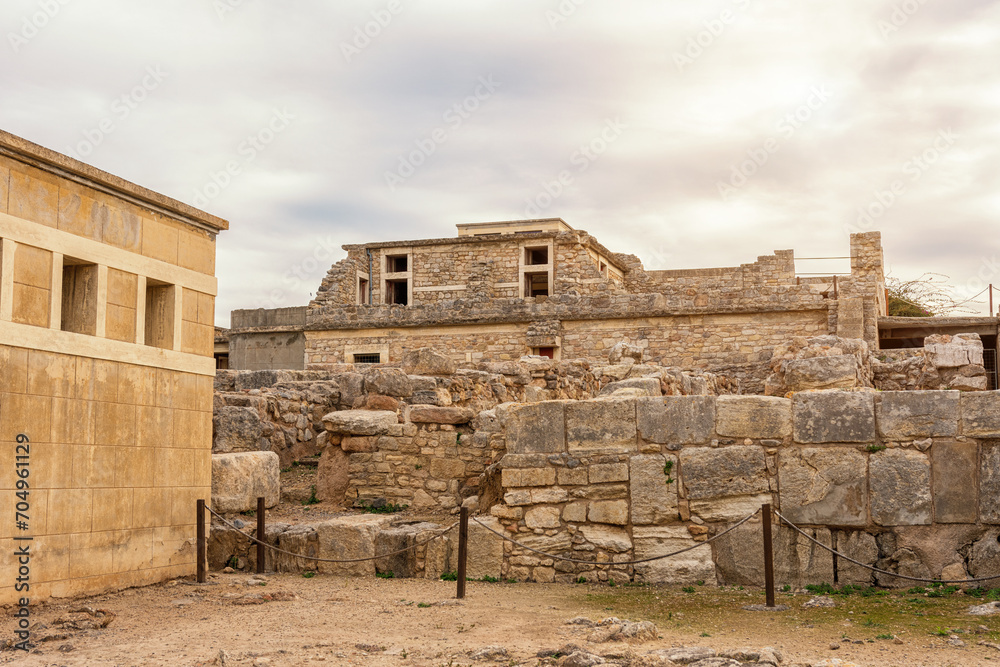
{"x":107,"y":298}
{"x":905,"y":481}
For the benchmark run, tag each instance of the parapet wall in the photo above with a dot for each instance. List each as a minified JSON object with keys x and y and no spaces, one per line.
{"x":905,"y":481}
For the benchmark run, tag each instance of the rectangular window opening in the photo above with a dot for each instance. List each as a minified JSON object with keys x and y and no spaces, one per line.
{"x":363,"y":291}
{"x":79,"y":297}
{"x":549,"y":352}
{"x":536,"y":284}
{"x":373,"y":358}
{"x":397,"y":292}
{"x":536,"y":256}
{"x":396,"y":264}
{"x":159,"y":314}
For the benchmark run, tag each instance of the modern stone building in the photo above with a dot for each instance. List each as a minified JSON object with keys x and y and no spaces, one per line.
{"x":499,"y":291}
{"x":107,"y":294}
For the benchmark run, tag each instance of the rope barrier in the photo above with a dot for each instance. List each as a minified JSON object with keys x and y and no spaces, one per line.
{"x":878,"y":570}
{"x":330,"y":560}
{"x":627,"y":562}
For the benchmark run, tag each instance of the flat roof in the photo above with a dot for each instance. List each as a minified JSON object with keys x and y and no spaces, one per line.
{"x":513,"y":227}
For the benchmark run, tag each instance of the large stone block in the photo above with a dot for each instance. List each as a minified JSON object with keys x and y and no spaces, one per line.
{"x":387,"y":382}
{"x":989,"y":485}
{"x":688,"y":568}
{"x":536,"y":428}
{"x":981,"y":414}
{"x":601,"y":425}
{"x":823,"y":486}
{"x":905,"y":415}
{"x":240,"y":478}
{"x":608,"y":472}
{"x":833,"y":416}
{"x":954,"y":351}
{"x":676,"y":420}
{"x":430,"y":414}
{"x":427,"y":361}
{"x":717,"y":472}
{"x":542,"y":517}
{"x":485,"y":555}
{"x":753,"y":417}
{"x":360,"y":422}
{"x":730,"y":509}
{"x":739,"y":557}
{"x":835,"y":372}
{"x":643,"y":386}
{"x":653,"y":499}
{"x":614,"y":512}
{"x":900,"y":488}
{"x":350,"y":537}
{"x":236,"y":429}
{"x":956,"y":467}
{"x":615,"y":540}
{"x":861,"y":547}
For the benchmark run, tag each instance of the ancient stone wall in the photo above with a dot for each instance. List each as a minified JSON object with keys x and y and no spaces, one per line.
{"x":905,"y":481}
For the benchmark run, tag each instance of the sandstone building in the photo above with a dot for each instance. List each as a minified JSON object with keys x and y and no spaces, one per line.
{"x":107,"y":295}
{"x":499,"y":291}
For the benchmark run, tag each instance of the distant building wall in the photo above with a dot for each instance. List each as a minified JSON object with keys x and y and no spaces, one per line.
{"x":107,"y":298}
{"x":264,"y":340}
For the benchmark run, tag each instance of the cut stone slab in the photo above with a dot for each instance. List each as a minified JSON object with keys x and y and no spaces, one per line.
{"x":645,"y":386}
{"x":535,"y":427}
{"x":360,"y":422}
{"x":615,"y":540}
{"x":903,"y":415}
{"x":753,"y":417}
{"x":797,"y":561}
{"x":236,"y":429}
{"x":900,"y":487}
{"x":823,"y":486}
{"x":485,"y":557}
{"x":350,"y":537}
{"x":717,"y":472}
{"x":833,"y":416}
{"x":239,"y":478}
{"x":956,"y":467}
{"x":388,"y":382}
{"x":835,"y":372}
{"x":676,"y":420}
{"x":989,"y":491}
{"x":601,"y":425}
{"x":430,"y":414}
{"x":730,"y":509}
{"x":981,"y":414}
{"x":653,"y":500}
{"x":608,"y":511}
{"x":428,"y":361}
{"x":860,"y":546}
{"x":686,"y":568}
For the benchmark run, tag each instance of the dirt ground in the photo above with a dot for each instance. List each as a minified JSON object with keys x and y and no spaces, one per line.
{"x":294,"y":620}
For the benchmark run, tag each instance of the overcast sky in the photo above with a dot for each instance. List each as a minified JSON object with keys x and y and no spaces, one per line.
{"x":690,"y":133}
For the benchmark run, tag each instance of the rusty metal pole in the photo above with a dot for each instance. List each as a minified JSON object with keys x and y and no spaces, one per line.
{"x":992,"y":314}
{"x":768,"y":555}
{"x":261,"y":534}
{"x":463,"y":550}
{"x":201,"y":551}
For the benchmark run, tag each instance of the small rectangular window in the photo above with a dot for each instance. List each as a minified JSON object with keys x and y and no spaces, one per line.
{"x":396,"y":264}
{"x":79,"y":297}
{"x":549,"y":352}
{"x":397,"y":292}
{"x":536,"y":256}
{"x":160,"y":314}
{"x":363,"y":291}
{"x":536,"y":284}
{"x":375,"y":358}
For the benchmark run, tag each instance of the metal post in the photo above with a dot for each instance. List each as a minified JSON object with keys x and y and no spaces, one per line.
{"x":768,"y":555}
{"x":261,"y":534}
{"x":463,"y":550}
{"x":991,"y":301}
{"x":202,"y":550}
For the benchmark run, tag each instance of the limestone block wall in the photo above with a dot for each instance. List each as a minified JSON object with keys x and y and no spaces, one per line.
{"x":906,"y":481}
{"x":107,"y":297}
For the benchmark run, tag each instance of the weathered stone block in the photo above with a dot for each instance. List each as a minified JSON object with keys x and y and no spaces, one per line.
{"x":861,"y":547}
{"x":427,"y":361}
{"x":350,"y":537}
{"x":753,"y":417}
{"x":240,"y":478}
{"x":917,"y":414}
{"x":517,"y":498}
{"x":601,"y":425}
{"x":797,"y":561}
{"x":573,"y":476}
{"x":400,"y":565}
{"x":835,"y":372}
{"x":709,"y":472}
{"x":981,"y":414}
{"x":431,"y":414}
{"x":608,"y":472}
{"x":956,"y":467}
{"x":360,"y":422}
{"x":575,"y":512}
{"x":388,"y":382}
{"x":519,"y":477}
{"x":900,"y":487}
{"x":989,"y":485}
{"x":653,"y":499}
{"x":833,"y":416}
{"x":676,"y":420}
{"x":608,"y":511}
{"x":236,"y":429}
{"x":729,"y":509}
{"x":646,"y":386}
{"x":823,"y":486}
{"x":615,"y":540}
{"x":542,"y":517}
{"x":541,"y":496}
{"x":537,"y":427}
{"x":695,"y":565}
{"x":359,"y":443}
{"x":485,"y":556}
{"x":447,"y":468}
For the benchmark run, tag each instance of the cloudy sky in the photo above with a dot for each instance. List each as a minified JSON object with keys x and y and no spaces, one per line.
{"x":690,"y":133}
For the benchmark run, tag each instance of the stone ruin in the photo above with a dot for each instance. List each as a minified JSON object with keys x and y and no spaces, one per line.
{"x":613,"y":463}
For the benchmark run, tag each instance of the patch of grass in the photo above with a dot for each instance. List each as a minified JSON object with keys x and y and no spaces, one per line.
{"x":874,"y":449}
{"x":449,"y":576}
{"x":704,"y":634}
{"x":581,"y":580}
{"x":488,"y":579}
{"x":423,"y":605}
{"x":232,"y":562}
{"x":941,"y":632}
{"x":884,"y":635}
{"x":667,"y":468}
{"x":786,"y":588}
{"x":388,"y":508}
{"x":385,"y":575}
{"x":916,"y":590}
{"x":688,"y":589}
{"x":977,"y":592}
{"x":308,"y":575}
{"x":312,"y":499}
{"x":700,"y":582}
{"x":249,"y":513}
